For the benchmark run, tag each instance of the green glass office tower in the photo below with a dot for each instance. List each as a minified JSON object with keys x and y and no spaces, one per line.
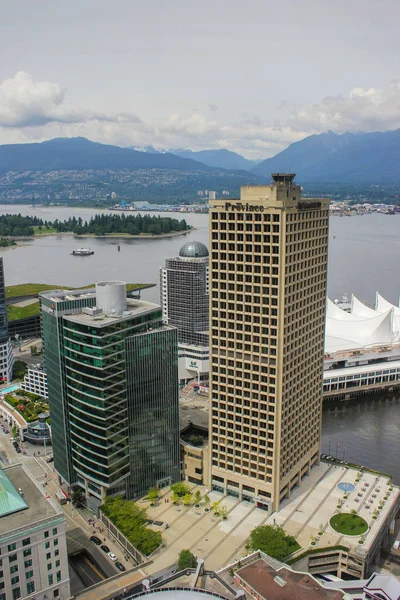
{"x":112,"y":382}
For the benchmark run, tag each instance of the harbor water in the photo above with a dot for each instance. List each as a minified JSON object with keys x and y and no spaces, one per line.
{"x":364,"y":257}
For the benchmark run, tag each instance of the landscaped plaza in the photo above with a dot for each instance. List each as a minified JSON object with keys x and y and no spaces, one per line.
{"x":306,"y":516}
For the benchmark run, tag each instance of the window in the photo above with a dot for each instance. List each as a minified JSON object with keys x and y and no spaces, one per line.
{"x":55,"y":543}
{"x":16,"y":593}
{"x":55,"y":531}
{"x":12,"y":547}
{"x":56,"y":552}
{"x":58,"y":575}
{"x":30,"y":587}
{"x":15,"y":580}
{"x":14,"y":569}
{"x":48,"y":556}
{"x":12,"y":557}
{"x":46,"y":534}
{"x":57,"y":563}
{"x":47,"y":545}
{"x":50,"y":579}
{"x":29,"y":574}
{"x":28,"y":552}
{"x":56,"y":594}
{"x":26,"y":541}
{"x":49,"y":567}
{"x":3,"y":597}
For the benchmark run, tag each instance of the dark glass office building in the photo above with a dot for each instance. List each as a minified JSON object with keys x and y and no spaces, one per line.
{"x":112,"y":384}
{"x":3,"y":310}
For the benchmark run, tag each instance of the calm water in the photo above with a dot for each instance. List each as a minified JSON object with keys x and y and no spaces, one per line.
{"x":364,"y":256}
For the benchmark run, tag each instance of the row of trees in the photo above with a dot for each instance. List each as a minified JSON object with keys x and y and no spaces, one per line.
{"x":116,"y":223}
{"x":17,"y":225}
{"x":131,"y":521}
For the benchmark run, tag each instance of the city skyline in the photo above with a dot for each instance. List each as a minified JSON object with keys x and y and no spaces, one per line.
{"x":106,"y":84}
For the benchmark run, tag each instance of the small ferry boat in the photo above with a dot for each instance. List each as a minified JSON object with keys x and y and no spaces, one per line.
{"x":82,"y":252}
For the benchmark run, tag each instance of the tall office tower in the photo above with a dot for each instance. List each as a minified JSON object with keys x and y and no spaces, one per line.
{"x":6,"y":355}
{"x":267,"y":303}
{"x":184,"y":292}
{"x":112,"y":388}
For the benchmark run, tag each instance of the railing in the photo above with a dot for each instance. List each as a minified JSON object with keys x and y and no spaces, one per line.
{"x":177,"y":588}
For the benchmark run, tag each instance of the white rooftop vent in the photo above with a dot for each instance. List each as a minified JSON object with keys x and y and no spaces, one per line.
{"x":111,"y":297}
{"x":280,"y":581}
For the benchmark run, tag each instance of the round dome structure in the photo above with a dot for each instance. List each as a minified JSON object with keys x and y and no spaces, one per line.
{"x":193,"y":250}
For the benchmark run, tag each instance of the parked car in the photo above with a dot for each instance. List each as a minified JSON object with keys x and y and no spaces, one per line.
{"x":18,"y":450}
{"x":112,"y":556}
{"x":120,"y":566}
{"x":6,"y":431}
{"x":105,"y":548}
{"x":95,"y":540}
{"x":50,"y":459}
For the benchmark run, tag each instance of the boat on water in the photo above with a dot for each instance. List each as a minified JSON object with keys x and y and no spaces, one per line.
{"x":82,"y":252}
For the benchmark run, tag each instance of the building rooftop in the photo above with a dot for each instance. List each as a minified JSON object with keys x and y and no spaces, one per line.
{"x":284,"y":584}
{"x":10,"y":499}
{"x":193,"y":250}
{"x":33,"y":504}
{"x":134,"y":308}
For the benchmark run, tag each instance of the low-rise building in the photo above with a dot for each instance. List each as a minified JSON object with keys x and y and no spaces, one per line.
{"x":35,"y":381}
{"x":34,"y":561}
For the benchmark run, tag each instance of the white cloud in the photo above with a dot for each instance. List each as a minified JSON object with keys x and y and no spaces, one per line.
{"x":363,"y":110}
{"x":36,"y":110}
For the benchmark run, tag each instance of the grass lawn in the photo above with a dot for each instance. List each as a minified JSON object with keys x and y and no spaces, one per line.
{"x":348,"y":524}
{"x":28,"y":289}
{"x":43,"y":230}
{"x":21,"y":312}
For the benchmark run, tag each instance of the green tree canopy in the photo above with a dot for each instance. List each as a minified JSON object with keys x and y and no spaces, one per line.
{"x":186,"y":560}
{"x":180,"y":489}
{"x":273,"y":541}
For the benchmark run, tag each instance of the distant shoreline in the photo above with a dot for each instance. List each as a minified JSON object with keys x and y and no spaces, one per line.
{"x":145,"y":236}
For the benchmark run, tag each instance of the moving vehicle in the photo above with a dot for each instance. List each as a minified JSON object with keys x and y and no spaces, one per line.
{"x":95,"y":540}
{"x":49,"y":460}
{"x":82,"y":252}
{"x":105,"y":548}
{"x":120,"y":566}
{"x":112,"y":556}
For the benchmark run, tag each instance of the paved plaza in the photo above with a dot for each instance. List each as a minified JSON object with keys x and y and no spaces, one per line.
{"x":220,"y":542}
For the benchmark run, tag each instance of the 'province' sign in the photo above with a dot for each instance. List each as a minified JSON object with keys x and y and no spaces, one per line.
{"x":244,"y":207}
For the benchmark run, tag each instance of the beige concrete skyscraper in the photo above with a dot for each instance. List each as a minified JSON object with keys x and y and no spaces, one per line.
{"x":268,"y":272}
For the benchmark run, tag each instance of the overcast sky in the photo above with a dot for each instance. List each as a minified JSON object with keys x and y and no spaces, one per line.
{"x":247,"y":75}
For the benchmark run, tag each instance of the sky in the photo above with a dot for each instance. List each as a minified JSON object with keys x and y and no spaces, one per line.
{"x":251,"y":76}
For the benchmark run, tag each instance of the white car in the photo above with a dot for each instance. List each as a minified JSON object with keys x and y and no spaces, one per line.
{"x":112,"y":556}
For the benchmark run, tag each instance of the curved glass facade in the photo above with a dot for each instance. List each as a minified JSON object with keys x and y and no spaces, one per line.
{"x":110,"y":372}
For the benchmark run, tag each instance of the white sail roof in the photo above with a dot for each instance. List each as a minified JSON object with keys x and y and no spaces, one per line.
{"x":362,"y":310}
{"x":341,"y":335}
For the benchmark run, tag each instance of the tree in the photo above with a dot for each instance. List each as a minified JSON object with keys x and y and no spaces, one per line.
{"x":273,"y":541}
{"x":19,"y":369}
{"x":153,"y":494}
{"x":78,"y":498}
{"x":197,"y":497}
{"x":176,"y":499}
{"x":206,"y":500}
{"x":186,"y":560}
{"x":215,"y":507}
{"x":223,"y":511}
{"x":187,"y":499}
{"x":180,"y":489}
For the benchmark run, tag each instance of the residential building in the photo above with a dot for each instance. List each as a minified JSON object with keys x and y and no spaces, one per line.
{"x":34,"y":560}
{"x":184,"y":292}
{"x":268,"y":275}
{"x":6,"y":355}
{"x":35,"y":381}
{"x":113,"y":391}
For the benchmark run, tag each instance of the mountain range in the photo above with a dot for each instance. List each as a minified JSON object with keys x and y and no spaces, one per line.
{"x":76,"y":168}
{"x":350,"y":157}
